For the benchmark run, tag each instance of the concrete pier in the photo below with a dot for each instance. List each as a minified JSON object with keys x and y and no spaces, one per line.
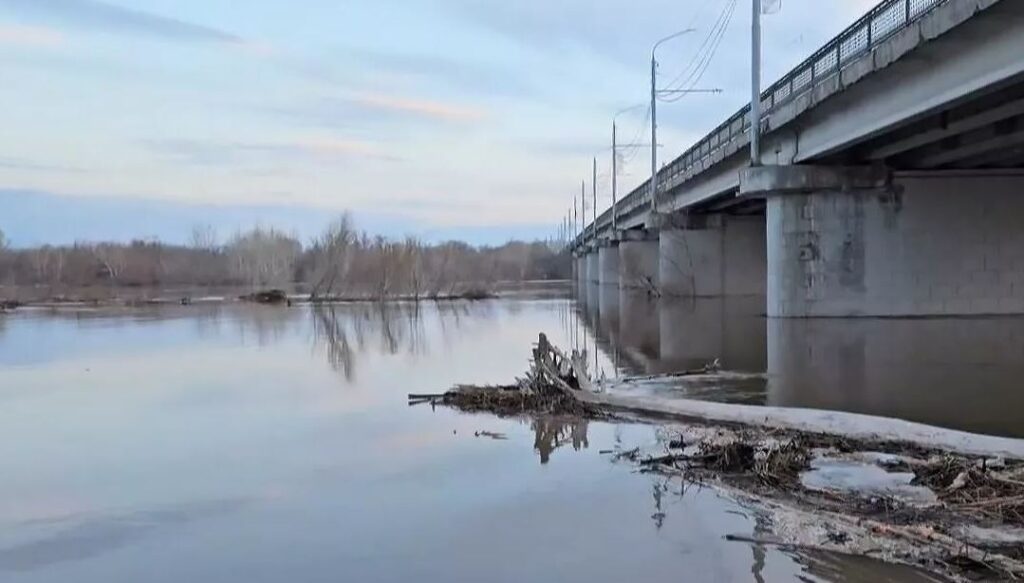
{"x":883,"y":245}
{"x":608,"y":265}
{"x":713,"y":256}
{"x":638,"y":264}
{"x":593,"y":267}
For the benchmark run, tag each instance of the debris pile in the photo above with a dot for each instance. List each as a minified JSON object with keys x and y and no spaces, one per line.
{"x":550,"y":386}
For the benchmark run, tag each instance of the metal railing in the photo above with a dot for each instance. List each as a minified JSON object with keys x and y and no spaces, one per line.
{"x":883,"y":21}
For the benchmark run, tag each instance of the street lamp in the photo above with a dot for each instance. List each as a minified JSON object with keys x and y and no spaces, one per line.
{"x":615,"y":157}
{"x":654,"y":116}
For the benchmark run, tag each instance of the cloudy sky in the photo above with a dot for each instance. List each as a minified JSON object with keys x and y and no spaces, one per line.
{"x":444,"y":118}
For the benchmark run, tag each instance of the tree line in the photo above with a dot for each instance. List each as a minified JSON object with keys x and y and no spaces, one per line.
{"x":343,"y":261}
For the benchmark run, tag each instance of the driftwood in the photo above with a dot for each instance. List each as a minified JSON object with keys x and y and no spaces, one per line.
{"x":553,"y":384}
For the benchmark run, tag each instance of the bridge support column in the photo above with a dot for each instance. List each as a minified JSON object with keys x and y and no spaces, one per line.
{"x":861,"y":242}
{"x":608,"y":261}
{"x":579,"y":269}
{"x":593,"y":267}
{"x":638,"y":260}
{"x":712,"y":256}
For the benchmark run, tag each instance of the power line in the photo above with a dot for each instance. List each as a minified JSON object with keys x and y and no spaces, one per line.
{"x":698,"y":66}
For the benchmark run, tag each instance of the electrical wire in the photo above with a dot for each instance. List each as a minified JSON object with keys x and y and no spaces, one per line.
{"x":698,"y":66}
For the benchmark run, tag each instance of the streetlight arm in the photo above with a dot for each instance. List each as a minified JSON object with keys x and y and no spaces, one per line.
{"x":627,"y":109}
{"x":670,"y":37}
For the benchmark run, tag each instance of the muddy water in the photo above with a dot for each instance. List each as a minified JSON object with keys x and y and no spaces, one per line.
{"x":249,"y":444}
{"x":964,"y":373}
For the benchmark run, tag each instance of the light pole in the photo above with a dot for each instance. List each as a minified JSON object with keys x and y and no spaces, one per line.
{"x":593,"y":186}
{"x":654,"y":116}
{"x":755,"y":85}
{"x":583,"y":208}
{"x":615,"y":159}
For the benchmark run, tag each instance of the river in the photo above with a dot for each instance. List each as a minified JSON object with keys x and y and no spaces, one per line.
{"x":235,"y":443}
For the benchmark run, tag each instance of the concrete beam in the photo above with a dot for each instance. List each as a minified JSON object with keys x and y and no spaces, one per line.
{"x":685,"y":220}
{"x":774,"y":180}
{"x":634,"y":235}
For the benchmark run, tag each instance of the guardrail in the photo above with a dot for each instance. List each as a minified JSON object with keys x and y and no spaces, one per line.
{"x":883,"y":21}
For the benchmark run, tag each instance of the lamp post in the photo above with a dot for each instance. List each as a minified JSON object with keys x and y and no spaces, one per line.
{"x":654,"y":115}
{"x":755,"y":85}
{"x":615,"y":159}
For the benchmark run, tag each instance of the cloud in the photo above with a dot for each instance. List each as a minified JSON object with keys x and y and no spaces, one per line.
{"x":475,"y":77}
{"x":314,"y":149}
{"x":416,"y":107}
{"x":358,"y":112}
{"x":30,"y":36}
{"x":98,"y":15}
{"x":21,"y":164}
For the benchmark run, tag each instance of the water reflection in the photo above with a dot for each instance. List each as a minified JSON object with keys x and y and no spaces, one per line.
{"x":645,"y":335}
{"x":957,"y":372}
{"x":342,"y":331}
{"x":551,"y":432}
{"x":213,"y":444}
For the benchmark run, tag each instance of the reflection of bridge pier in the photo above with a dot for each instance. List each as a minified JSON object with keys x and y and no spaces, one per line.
{"x":696,"y":331}
{"x":963,"y":373}
{"x":651,"y":336}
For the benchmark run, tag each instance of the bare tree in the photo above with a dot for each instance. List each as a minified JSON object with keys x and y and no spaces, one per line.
{"x":264,"y":257}
{"x":203,"y":237}
{"x":332,"y":256}
{"x":114,"y":258}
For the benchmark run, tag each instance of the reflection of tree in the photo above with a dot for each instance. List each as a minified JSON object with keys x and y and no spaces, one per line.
{"x":550,"y":433}
{"x":330,"y":330}
{"x":267,"y":323}
{"x":345,"y":330}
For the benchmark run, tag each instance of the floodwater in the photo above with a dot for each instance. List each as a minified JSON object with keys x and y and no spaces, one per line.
{"x":256,"y":444}
{"x":964,"y":373}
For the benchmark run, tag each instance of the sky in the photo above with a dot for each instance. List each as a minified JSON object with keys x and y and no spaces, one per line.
{"x":469,"y":119}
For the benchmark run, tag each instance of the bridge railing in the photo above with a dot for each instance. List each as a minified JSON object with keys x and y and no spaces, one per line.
{"x":883,"y":21}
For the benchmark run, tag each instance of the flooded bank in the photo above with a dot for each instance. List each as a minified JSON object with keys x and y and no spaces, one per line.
{"x":962,"y":373}
{"x":249,"y":443}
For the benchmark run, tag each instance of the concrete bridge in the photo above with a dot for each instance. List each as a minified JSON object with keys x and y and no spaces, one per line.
{"x":891,"y":180}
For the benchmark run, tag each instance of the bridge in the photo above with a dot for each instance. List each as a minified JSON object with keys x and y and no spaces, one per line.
{"x":890,"y":182}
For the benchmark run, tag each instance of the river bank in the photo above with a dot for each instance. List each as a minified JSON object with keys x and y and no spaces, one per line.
{"x":12,"y":298}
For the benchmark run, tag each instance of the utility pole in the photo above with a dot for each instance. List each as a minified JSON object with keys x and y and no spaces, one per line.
{"x":593,"y":184}
{"x":575,"y":217}
{"x":654,"y":116}
{"x":755,"y":85}
{"x":583,"y":207}
{"x":615,"y":171}
{"x":654,"y":133}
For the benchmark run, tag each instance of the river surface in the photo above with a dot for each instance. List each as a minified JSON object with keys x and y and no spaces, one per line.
{"x":964,"y":373}
{"x":250,"y":444}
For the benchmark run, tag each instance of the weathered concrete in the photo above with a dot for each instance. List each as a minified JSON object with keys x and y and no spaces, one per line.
{"x":638,"y":265}
{"x":593,"y":267}
{"x":763,"y":180}
{"x":723,"y":257}
{"x":608,"y":264}
{"x":938,"y":245}
{"x":690,"y":262}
